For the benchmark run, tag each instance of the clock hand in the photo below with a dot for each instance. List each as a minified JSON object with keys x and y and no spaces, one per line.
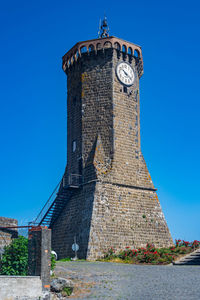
{"x":127,"y":74}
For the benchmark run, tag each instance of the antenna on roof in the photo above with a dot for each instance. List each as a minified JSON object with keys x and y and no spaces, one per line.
{"x":99,"y":32}
{"x":103,"y":28}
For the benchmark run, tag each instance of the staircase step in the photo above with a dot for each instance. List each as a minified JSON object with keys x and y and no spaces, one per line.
{"x":190,"y":259}
{"x":56,"y":207}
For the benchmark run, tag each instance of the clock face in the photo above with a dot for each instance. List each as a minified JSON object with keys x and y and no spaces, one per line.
{"x":125,"y":73}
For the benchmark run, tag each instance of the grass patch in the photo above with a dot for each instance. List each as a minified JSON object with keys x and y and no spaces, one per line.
{"x":67,"y":291}
{"x":65,"y":259}
{"x":69,"y":259}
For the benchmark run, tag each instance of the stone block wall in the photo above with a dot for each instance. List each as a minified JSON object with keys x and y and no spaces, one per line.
{"x":39,"y":254}
{"x":117,"y":205}
{"x":89,"y":111}
{"x":103,"y":215}
{"x":6,"y":235}
{"x":126,"y":217}
{"x":74,"y":221}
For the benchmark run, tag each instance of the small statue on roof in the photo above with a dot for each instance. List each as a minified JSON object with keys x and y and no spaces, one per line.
{"x":103,"y":28}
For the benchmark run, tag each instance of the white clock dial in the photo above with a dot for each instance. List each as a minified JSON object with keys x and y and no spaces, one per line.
{"x":125,"y":73}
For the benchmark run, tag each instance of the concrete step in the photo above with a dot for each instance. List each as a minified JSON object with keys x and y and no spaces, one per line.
{"x":190,"y":259}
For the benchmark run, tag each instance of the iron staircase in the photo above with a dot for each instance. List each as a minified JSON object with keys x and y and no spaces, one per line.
{"x":58,"y":200}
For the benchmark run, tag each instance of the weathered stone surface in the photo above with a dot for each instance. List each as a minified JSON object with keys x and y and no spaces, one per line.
{"x":59,"y":283}
{"x":39,"y":254}
{"x":21,"y":288}
{"x":117,"y":204}
{"x":6,"y":235}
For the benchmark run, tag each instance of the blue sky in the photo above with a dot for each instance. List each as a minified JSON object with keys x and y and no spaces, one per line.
{"x":35,"y":35}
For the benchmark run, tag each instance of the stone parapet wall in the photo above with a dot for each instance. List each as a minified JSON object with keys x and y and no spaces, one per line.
{"x":6,"y":235}
{"x":21,"y":288}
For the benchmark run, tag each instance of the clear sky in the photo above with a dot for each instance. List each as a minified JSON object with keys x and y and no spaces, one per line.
{"x":35,"y":35}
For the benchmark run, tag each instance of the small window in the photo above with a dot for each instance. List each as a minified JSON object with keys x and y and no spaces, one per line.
{"x":125,"y":89}
{"x":74,"y":146}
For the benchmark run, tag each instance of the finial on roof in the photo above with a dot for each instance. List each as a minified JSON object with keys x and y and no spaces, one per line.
{"x":103,"y":28}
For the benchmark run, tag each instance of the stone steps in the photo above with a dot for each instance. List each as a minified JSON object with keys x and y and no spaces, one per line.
{"x":190,"y":259}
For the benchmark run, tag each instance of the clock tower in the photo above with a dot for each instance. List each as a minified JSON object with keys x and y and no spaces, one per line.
{"x":107,"y":196}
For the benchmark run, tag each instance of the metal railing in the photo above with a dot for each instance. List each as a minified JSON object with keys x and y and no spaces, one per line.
{"x":72,"y":180}
{"x":46,"y":206}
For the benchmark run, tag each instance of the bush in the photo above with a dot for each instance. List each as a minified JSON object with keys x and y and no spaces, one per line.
{"x":53,"y":261}
{"x":15,"y":258}
{"x":152,"y":255}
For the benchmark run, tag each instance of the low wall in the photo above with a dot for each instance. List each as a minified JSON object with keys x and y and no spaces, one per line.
{"x":21,"y":288}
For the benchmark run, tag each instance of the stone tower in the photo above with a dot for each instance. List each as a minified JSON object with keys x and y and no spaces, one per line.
{"x":108,"y":195}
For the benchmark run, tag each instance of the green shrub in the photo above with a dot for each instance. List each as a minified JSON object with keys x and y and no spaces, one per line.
{"x":53,"y":261}
{"x":152,"y":255}
{"x":67,"y":291}
{"x":14,"y":260}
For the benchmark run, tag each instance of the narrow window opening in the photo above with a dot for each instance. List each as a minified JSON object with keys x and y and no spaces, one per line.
{"x":80,"y":165}
{"x":74,"y":100}
{"x":125,"y":89}
{"x":74,"y":146}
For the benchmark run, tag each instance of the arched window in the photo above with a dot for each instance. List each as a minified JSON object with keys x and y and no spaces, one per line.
{"x":83,"y":49}
{"x":77,"y":54}
{"x":117,"y":46}
{"x":107,"y":45}
{"x":91,"y":48}
{"x":124,"y":49}
{"x":130,"y":51}
{"x":136,"y":53}
{"x":98,"y":46}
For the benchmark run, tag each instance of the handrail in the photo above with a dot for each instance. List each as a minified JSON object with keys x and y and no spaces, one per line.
{"x":47,"y":205}
{"x":73,"y":180}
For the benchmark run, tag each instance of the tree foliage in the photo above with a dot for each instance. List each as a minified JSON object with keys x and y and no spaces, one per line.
{"x":14,"y":260}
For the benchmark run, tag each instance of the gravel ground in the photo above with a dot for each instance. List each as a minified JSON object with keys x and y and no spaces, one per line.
{"x":100,"y":280}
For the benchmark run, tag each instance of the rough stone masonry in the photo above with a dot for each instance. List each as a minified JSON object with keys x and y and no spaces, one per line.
{"x":7,"y":234}
{"x":116,"y":204}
